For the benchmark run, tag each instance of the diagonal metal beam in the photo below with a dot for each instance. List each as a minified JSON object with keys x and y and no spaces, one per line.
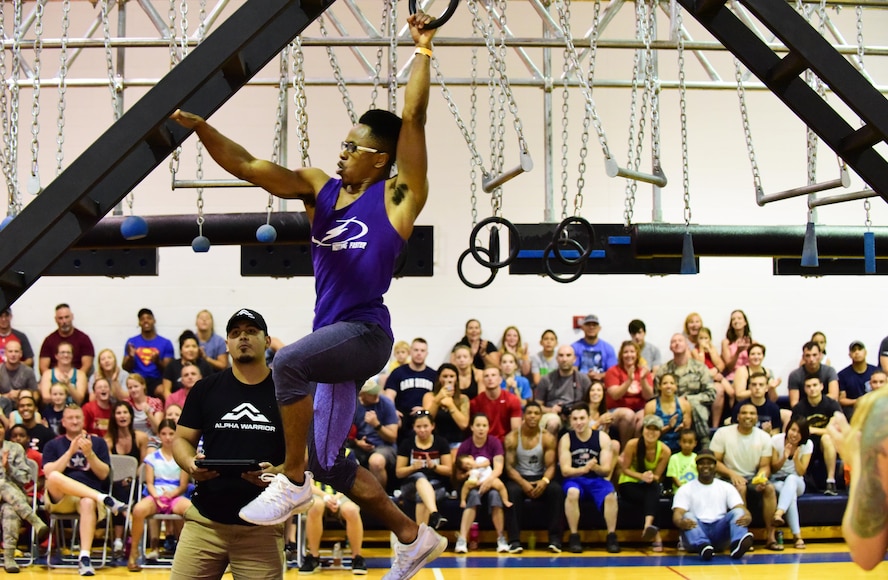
{"x":143,"y":137}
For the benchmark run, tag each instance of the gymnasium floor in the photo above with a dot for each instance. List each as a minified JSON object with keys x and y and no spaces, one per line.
{"x":822,"y":560}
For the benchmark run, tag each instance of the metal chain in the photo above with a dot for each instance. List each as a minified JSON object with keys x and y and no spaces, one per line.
{"x":504,"y":81}
{"x":682,"y":103}
{"x":300,"y":100}
{"x":747,"y":131}
{"x":114,"y":81}
{"x":337,"y":74}
{"x":565,"y":123}
{"x":377,"y":69}
{"x":34,"y":183}
{"x":13,"y":203}
{"x":276,"y":144}
{"x":63,"y":86}
{"x":393,"y":58}
{"x":868,"y":222}
{"x":635,"y":147}
{"x":585,"y":87}
{"x":652,"y":83}
{"x":587,"y":117}
{"x":173,"y":50}
{"x":473,"y":124}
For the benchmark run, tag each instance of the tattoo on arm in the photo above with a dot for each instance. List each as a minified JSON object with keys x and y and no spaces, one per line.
{"x":868,"y":515}
{"x":399,"y":192}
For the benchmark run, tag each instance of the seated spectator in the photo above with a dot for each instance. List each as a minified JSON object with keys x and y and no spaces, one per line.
{"x":14,"y":504}
{"x":147,"y":411}
{"x":512,"y":381}
{"x":557,"y":392}
{"x":424,"y":465}
{"x":545,"y":361}
{"x":817,"y":411}
{"x":863,"y":445}
{"x":502,"y":409}
{"x":9,"y":334}
{"x":376,"y":422}
{"x":709,"y":356}
{"x":483,"y":351}
{"x":400,"y":354}
{"x":793,"y":451}
{"x":674,"y":412}
{"x":593,"y":355}
{"x":629,"y":386}
{"x":148,"y":353}
{"x":109,"y":370}
{"x":481,"y":444}
{"x":648,"y":354}
{"x":190,"y":375}
{"x":511,"y":343}
{"x":601,"y":418}
{"x":18,"y":434}
{"x":77,"y":466}
{"x":122,"y":439}
{"x":710,"y":513}
{"x":97,"y":413}
{"x":164,"y":493}
{"x":468,"y":377}
{"x":15,"y":375}
{"x":769,"y":416}
{"x":408,"y":383}
{"x":820,"y":339}
{"x":586,"y":463}
{"x":735,"y":344}
{"x":812,"y":366}
{"x":329,"y":502}
{"x":530,"y":458}
{"x":478,"y":470}
{"x":448,"y":406}
{"x":644,"y":463}
{"x":65,"y":372}
{"x":189,"y":353}
{"x":744,"y":457}
{"x":694,"y":384}
{"x":682,"y":466}
{"x":52,"y":412}
{"x":83,"y":349}
{"x":854,"y":379}
{"x":878,"y":380}
{"x":172,"y":412}
{"x":38,"y":433}
{"x":212,"y":346}
{"x":756,"y":352}
{"x":692,"y":326}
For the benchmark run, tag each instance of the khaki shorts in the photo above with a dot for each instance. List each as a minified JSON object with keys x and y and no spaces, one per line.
{"x":70,"y":504}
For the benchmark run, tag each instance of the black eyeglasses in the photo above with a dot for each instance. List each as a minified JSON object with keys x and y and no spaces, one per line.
{"x":353,"y":148}
{"x":422,"y":413}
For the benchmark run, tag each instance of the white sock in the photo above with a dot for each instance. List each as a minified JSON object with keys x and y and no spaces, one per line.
{"x":830,"y":480}
{"x":84,"y":553}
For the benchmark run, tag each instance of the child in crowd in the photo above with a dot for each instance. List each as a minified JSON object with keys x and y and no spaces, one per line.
{"x":52,"y":413}
{"x":479,"y":471}
{"x":401,"y":352}
{"x":682,"y":466}
{"x":173,"y":412}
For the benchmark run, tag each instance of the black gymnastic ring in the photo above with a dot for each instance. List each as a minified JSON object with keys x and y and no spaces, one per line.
{"x":559,"y":234}
{"x":459,"y":266}
{"x":547,"y":263}
{"x":439,"y":20}
{"x":491,"y":261}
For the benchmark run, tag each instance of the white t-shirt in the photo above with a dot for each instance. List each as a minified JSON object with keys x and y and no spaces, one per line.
{"x":742,"y":453}
{"x":779,"y":445}
{"x":708,"y":503}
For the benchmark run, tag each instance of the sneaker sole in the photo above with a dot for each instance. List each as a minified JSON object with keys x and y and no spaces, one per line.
{"x":742,"y":547}
{"x":359,"y":572}
{"x":436,"y":551}
{"x":554,"y":549}
{"x":301,"y":508}
{"x":650,"y":533}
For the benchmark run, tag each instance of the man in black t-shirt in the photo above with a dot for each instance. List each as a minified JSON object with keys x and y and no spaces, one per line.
{"x":407,"y":385}
{"x":236,"y":414}
{"x":818,"y":410}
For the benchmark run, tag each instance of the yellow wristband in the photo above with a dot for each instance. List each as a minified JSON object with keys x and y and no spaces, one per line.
{"x":423,"y":50}
{"x":546,"y":480}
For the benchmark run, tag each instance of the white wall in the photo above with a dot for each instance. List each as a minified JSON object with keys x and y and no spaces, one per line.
{"x":783,"y":311}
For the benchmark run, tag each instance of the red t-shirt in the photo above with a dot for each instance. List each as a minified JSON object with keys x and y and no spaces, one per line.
{"x":499,"y":411}
{"x":96,"y":419}
{"x":633,"y":399}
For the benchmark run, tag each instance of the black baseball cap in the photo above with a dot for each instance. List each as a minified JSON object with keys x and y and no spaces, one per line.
{"x":251,"y":316}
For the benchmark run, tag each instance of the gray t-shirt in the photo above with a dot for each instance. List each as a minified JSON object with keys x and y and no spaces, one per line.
{"x":555,"y":389}
{"x":21,"y":378}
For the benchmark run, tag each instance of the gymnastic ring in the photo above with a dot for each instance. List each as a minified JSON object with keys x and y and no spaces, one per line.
{"x":459,"y":265}
{"x":546,"y":262}
{"x":494,"y":261}
{"x":560,"y":234}
{"x":439,"y":20}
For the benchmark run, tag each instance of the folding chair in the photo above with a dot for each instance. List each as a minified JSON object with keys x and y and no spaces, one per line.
{"x":161,"y":561}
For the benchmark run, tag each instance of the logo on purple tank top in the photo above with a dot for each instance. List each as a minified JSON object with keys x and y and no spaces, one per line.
{"x":344,"y":235}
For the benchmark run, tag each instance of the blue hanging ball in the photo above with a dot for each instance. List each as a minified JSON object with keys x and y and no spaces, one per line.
{"x":5,"y":222}
{"x":200,"y":244}
{"x":134,"y":228}
{"x":266,"y":233}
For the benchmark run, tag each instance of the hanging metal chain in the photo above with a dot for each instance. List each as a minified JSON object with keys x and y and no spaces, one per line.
{"x":868,"y":222}
{"x":277,"y":140}
{"x":652,"y":84}
{"x":377,"y":69}
{"x":300,"y":100}
{"x":682,"y":103}
{"x":173,"y":47}
{"x":636,"y":145}
{"x":747,"y":131}
{"x":337,"y":74}
{"x":393,"y":58}
{"x":565,"y":123}
{"x":114,"y":81}
{"x":473,"y":124}
{"x":34,"y":183}
{"x":506,"y":84}
{"x":63,"y":87}
{"x":13,"y":200}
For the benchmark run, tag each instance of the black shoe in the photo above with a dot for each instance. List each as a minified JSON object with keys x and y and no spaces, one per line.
{"x":649,"y":533}
{"x":707,"y":552}
{"x":359,"y":566}
{"x":515,"y":548}
{"x":741,"y":546}
{"x":310,"y":564}
{"x":555,"y":546}
{"x":574,"y":545}
{"x":436,"y":520}
{"x":613,"y":546}
{"x":831,"y":488}
{"x":291,"y":552}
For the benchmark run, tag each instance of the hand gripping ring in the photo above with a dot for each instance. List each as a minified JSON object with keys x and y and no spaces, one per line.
{"x":561,"y":233}
{"x":439,"y":20}
{"x":492,"y":260}
{"x":459,"y":271}
{"x":550,"y":249}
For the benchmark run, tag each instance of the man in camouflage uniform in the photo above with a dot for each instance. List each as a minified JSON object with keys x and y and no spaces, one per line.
{"x":694,"y":383}
{"x":14,"y":504}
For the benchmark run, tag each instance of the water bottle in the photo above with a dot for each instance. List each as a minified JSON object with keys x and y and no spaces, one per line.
{"x":779,"y":536}
{"x":532,"y":541}
{"x":337,"y":555}
{"x":474,"y":532}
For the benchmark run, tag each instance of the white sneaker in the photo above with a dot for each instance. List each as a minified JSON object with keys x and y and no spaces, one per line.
{"x":502,"y":546}
{"x":85,"y":567}
{"x":409,"y":558}
{"x":281,"y":499}
{"x":461,"y":546}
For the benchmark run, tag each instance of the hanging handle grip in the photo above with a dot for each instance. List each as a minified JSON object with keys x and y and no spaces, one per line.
{"x":439,"y":20}
{"x":489,"y":183}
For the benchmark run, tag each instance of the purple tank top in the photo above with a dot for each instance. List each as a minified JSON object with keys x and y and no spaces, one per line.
{"x":353,"y":251}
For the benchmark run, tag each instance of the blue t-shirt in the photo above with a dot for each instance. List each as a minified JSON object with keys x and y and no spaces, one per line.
{"x":78,"y":466}
{"x":855,"y":384}
{"x":596,"y":357}
{"x":385,"y":412}
{"x":353,"y":251}
{"x":145,"y":351}
{"x":523,"y":392}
